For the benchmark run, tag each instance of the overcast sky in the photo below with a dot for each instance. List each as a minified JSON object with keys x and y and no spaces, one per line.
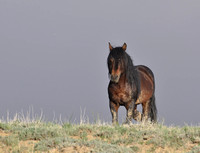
{"x":53,"y":55}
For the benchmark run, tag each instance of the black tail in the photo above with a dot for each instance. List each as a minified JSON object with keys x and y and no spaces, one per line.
{"x":153,"y":109}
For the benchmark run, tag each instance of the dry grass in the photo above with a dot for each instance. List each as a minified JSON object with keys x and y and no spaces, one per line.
{"x":34,"y":135}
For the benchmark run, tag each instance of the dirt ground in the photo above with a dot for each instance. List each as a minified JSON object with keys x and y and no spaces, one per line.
{"x":28,"y":146}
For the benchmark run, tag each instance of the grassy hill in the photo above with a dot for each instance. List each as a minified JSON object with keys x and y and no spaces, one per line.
{"x":37,"y":136}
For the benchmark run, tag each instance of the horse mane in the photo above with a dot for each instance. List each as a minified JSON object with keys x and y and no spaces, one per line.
{"x":131,"y":74}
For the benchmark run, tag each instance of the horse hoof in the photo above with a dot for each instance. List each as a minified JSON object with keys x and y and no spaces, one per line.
{"x":127,"y":123}
{"x":115,"y":124}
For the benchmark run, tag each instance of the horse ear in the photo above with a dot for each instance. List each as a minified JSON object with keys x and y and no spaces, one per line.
{"x":110,"y":47}
{"x":124,"y":46}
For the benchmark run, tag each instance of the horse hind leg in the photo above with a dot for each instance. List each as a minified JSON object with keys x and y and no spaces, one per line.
{"x":145,"y":111}
{"x":149,"y":110}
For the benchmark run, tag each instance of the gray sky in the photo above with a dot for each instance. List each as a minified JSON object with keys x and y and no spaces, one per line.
{"x":53,"y":55}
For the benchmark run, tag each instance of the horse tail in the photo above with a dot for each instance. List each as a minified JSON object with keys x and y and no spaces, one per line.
{"x":153,"y":109}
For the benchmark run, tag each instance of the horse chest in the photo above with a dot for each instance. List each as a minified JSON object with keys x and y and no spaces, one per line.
{"x":120,"y":94}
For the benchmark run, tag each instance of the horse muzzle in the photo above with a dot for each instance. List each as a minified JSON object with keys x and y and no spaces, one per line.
{"x":114,"y":78}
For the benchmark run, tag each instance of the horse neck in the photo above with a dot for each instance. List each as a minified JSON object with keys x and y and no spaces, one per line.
{"x":123,"y":79}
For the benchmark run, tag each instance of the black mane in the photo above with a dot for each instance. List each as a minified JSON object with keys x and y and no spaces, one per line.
{"x":131,"y":74}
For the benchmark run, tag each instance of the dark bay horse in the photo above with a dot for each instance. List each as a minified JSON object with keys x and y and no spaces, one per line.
{"x":130,"y":86}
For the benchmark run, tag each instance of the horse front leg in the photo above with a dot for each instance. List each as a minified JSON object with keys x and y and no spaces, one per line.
{"x":114,"y":111}
{"x":136,"y":114}
{"x":129,"y":107}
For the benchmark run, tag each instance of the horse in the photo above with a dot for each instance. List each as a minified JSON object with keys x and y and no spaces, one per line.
{"x":130,"y":86}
